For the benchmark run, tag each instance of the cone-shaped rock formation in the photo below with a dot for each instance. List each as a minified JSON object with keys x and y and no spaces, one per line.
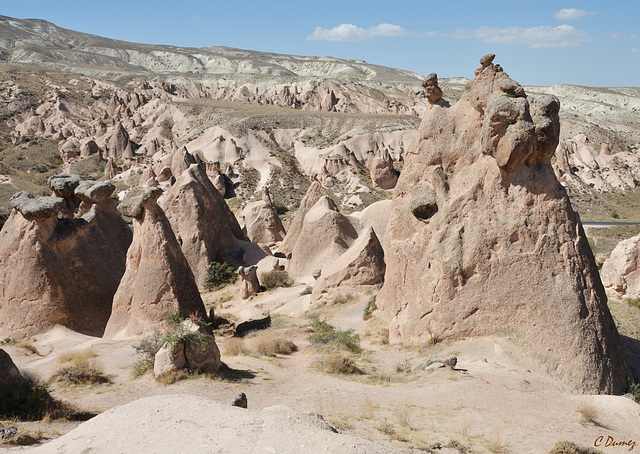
{"x":158,"y":281}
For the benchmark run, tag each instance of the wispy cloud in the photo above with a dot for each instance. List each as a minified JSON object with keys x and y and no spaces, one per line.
{"x":572,"y":14}
{"x":534,"y":37}
{"x":350,"y":32}
{"x":622,"y":35}
{"x":635,"y":50}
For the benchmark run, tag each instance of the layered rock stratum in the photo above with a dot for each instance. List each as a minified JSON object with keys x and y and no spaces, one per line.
{"x":482,"y":238}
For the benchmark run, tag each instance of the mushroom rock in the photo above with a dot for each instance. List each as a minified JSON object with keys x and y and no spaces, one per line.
{"x":202,"y":220}
{"x":181,"y":161}
{"x":60,"y":271}
{"x":313,"y":194}
{"x":158,"y":280}
{"x":482,"y":239}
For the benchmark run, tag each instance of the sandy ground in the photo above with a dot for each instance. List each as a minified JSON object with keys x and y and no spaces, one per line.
{"x":493,"y":401}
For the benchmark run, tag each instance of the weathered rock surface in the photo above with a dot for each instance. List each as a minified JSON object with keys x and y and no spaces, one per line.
{"x":205,"y":227}
{"x":61,"y":271}
{"x":158,"y":280}
{"x":482,"y":239}
{"x":621,"y":271}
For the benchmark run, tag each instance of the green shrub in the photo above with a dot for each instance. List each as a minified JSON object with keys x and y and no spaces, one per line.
{"x":147,"y":349}
{"x":30,"y":400}
{"x":219,"y":275}
{"x":634,"y":390}
{"x":337,"y":364}
{"x":280,"y":207}
{"x":369,"y":308}
{"x":327,"y":335}
{"x":276,"y":278}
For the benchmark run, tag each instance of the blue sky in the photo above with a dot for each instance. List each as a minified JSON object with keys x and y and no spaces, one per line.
{"x":538,"y":43}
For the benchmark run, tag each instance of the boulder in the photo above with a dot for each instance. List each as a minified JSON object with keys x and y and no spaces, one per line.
{"x":8,"y":370}
{"x":195,"y":350}
{"x":482,"y":239}
{"x":249,"y":284}
{"x":205,"y":227}
{"x":158,"y":280}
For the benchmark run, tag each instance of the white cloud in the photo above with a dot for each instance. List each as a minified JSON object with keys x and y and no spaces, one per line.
{"x":635,"y":50}
{"x":572,"y":14}
{"x":350,"y":32}
{"x":622,"y":35}
{"x":534,"y":37}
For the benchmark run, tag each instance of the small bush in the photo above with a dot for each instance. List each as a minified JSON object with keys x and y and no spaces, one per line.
{"x":234,"y":346}
{"x":343,"y":299}
{"x":266,"y":344}
{"x":79,"y":368}
{"x":219,"y":275}
{"x":588,"y":413}
{"x":280,"y":207}
{"x":276,"y":278}
{"x":568,"y":447}
{"x":147,"y":349}
{"x":327,"y":335}
{"x":337,"y":364}
{"x":369,"y":308}
{"x":30,"y":400}
{"x":634,"y":390}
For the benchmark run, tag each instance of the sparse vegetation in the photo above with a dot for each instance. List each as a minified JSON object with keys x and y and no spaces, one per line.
{"x":327,"y":336}
{"x":234,"y":346}
{"x":568,"y":447}
{"x":79,"y":368}
{"x":219,"y":275}
{"x":147,"y":349}
{"x":369,"y":308}
{"x":267,"y":344}
{"x":344,"y":299}
{"x":276,"y":278}
{"x":30,"y":400}
{"x":588,"y":413}
{"x":634,"y":390}
{"x":280,"y":207}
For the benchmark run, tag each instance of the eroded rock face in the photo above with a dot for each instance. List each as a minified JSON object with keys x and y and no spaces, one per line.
{"x":61,"y":270}
{"x":205,"y":227}
{"x":249,"y":284}
{"x":482,"y":239}
{"x":158,"y":280}
{"x":621,"y":271}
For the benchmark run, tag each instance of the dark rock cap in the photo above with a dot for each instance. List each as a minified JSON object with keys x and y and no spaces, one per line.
{"x":34,"y":207}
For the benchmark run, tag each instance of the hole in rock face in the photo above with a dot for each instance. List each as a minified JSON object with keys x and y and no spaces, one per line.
{"x":424,"y":208}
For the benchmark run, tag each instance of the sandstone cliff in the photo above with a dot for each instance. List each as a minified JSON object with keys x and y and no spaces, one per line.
{"x":482,"y":239}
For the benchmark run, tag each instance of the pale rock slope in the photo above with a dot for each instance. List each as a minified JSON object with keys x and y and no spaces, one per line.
{"x":482,"y":239}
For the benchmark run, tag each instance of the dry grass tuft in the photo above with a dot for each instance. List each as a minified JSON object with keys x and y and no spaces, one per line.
{"x":234,"y":346}
{"x":588,"y":413}
{"x":80,"y":368}
{"x":338,"y":364}
{"x":367,"y":408}
{"x":402,"y":413}
{"x":568,"y":447}
{"x":495,"y":445}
